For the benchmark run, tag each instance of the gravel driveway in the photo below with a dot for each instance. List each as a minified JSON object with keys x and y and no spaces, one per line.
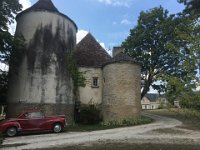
{"x":163,"y":130}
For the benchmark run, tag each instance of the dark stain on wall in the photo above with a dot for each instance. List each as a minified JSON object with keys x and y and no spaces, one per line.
{"x":48,"y":48}
{"x":44,"y":44}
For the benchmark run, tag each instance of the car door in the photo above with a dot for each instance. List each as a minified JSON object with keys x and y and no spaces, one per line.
{"x":24,"y":122}
{"x":36,"y":119}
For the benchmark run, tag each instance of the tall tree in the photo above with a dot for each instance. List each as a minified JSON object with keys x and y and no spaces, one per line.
{"x":192,"y":7}
{"x":192,"y":12}
{"x":8,"y":10}
{"x":166,"y":46}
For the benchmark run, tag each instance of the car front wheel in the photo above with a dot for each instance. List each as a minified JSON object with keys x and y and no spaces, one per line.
{"x":11,"y":131}
{"x":57,"y":128}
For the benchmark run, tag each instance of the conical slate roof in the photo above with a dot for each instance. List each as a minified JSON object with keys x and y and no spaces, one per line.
{"x":45,"y":5}
{"x":89,"y":53}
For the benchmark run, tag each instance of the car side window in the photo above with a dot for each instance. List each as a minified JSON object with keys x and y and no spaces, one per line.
{"x":34,"y":115}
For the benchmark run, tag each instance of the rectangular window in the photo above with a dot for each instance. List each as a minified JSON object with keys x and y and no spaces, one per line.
{"x":95,"y":82}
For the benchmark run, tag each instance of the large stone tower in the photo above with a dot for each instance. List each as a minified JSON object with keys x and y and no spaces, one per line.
{"x":121,"y":90}
{"x":42,"y":79}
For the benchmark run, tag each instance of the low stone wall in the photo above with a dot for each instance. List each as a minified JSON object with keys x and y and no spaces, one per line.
{"x":48,"y":109}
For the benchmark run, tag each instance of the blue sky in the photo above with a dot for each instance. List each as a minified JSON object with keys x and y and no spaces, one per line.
{"x":109,"y":20}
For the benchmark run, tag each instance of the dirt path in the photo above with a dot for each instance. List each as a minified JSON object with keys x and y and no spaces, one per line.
{"x":163,"y":130}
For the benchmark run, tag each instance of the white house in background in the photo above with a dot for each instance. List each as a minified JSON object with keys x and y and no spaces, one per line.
{"x":153,"y":101}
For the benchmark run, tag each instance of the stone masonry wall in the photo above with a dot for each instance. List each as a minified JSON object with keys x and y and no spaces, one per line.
{"x":90,"y":94}
{"x":42,"y":77}
{"x":121,"y":91}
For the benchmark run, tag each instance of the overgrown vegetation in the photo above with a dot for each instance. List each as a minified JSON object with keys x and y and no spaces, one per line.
{"x":129,"y":121}
{"x":89,"y":115}
{"x":187,"y":99}
{"x":1,"y":138}
{"x":77,"y":76}
{"x":190,"y":114}
{"x":110,"y":125}
{"x":190,"y":100}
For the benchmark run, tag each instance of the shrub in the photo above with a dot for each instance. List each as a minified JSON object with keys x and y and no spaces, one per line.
{"x":191,"y":101}
{"x":129,"y":121}
{"x":1,"y":138}
{"x":89,"y":115}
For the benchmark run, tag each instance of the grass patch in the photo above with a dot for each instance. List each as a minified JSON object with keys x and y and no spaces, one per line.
{"x":189,"y":117}
{"x":109,"y":125}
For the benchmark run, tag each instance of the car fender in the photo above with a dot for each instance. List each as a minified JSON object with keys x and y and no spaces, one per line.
{"x":51,"y":122}
{"x":7,"y":125}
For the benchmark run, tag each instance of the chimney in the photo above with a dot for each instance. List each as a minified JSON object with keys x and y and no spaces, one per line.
{"x":117,"y":50}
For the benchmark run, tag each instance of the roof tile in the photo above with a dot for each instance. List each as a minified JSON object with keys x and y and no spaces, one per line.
{"x":89,"y":53}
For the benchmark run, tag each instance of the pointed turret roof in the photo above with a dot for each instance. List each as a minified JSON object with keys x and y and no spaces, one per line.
{"x":89,"y":53}
{"x":44,"y":5}
{"x":122,"y":57}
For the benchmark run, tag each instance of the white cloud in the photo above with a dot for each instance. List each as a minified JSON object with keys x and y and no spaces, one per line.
{"x":80,"y":35}
{"x":26,"y":4}
{"x":125,"y":22}
{"x":103,"y":45}
{"x":124,"y":3}
{"x":114,"y":23}
{"x":106,"y":48}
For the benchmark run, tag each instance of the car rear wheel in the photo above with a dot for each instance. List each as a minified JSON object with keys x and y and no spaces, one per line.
{"x":11,"y":131}
{"x":57,"y":128}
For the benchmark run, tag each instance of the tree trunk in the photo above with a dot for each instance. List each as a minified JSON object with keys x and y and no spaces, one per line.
{"x":146,"y":86}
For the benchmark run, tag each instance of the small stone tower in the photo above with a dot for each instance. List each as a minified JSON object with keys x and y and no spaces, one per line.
{"x":42,"y":79}
{"x":121,"y":90}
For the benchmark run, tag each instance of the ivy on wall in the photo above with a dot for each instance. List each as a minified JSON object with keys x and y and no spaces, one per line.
{"x":77,"y":76}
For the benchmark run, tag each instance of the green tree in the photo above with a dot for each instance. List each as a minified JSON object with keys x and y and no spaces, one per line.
{"x":166,"y":46}
{"x":192,"y":7}
{"x":3,"y":86}
{"x":8,"y":10}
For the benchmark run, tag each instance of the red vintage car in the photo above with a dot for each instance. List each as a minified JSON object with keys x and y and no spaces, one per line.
{"x":32,"y":121}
